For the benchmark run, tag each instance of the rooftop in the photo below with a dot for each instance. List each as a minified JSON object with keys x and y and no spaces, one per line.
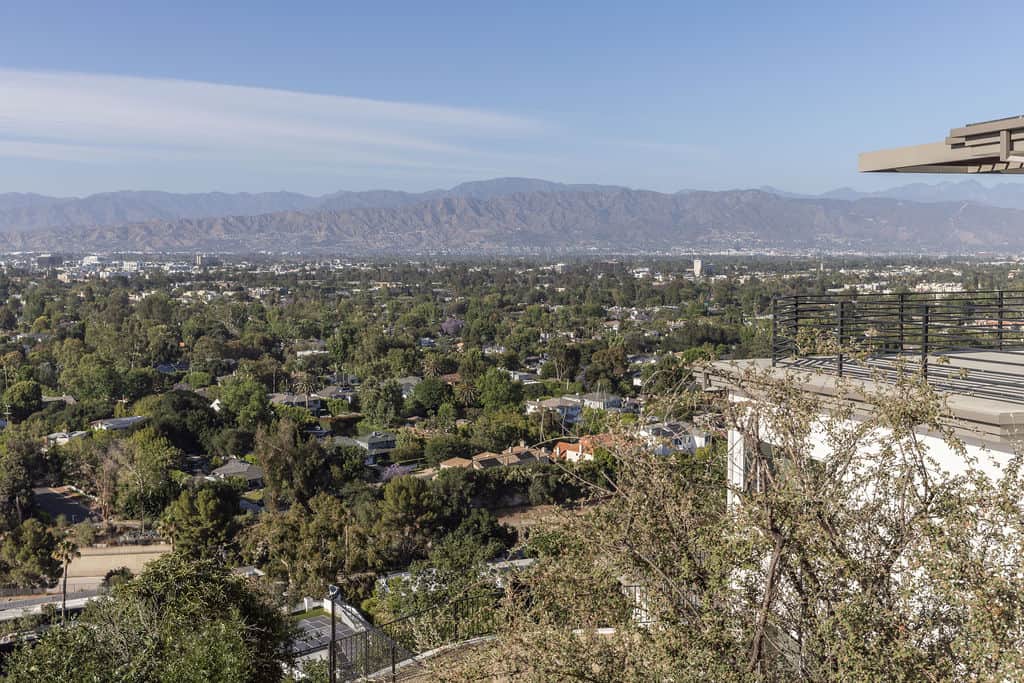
{"x":969,"y":346}
{"x":996,"y":420}
{"x":239,"y":468}
{"x":118,"y":423}
{"x":985,"y":147}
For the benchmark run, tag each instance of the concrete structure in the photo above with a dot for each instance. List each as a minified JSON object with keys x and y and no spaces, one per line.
{"x":989,"y":424}
{"x":986,"y":147}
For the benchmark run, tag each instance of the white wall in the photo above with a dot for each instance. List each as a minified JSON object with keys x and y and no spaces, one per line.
{"x":986,"y":459}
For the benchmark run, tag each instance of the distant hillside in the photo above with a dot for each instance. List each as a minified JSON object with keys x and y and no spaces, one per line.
{"x":1008,"y":195}
{"x":33,"y":211}
{"x":569,"y":219}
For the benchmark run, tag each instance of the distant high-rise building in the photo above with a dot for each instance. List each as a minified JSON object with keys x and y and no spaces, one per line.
{"x":698,"y":267}
{"x":47,"y":261}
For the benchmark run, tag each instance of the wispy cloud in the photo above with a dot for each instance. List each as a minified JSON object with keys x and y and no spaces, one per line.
{"x":104,"y":118}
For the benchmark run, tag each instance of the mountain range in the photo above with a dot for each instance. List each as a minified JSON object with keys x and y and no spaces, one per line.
{"x":513,"y":215}
{"x":34,"y":211}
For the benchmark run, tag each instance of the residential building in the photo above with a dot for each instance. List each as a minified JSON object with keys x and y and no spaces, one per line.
{"x":457,"y":462}
{"x":118,"y":424}
{"x":528,"y":453}
{"x":568,"y":411}
{"x":666,"y":438}
{"x":487,"y":460}
{"x":452,"y":327}
{"x":67,"y":399}
{"x":572,"y":452}
{"x":596,"y":400}
{"x":511,"y":457}
{"x":309,"y":401}
{"x":236,"y":468}
{"x":408,"y":384}
{"x":61,"y":438}
{"x":336,"y":392}
{"x":524,"y":377}
{"x":377,"y":445}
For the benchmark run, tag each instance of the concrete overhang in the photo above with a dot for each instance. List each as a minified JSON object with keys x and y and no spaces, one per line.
{"x":986,"y":147}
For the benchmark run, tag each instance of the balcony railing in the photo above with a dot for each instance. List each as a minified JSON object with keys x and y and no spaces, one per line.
{"x":946,"y":337}
{"x":913,"y":325}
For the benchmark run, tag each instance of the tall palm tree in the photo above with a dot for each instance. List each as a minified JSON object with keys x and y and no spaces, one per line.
{"x":431,"y":365}
{"x":306,"y":384}
{"x":466,"y":393}
{"x":65,"y":551}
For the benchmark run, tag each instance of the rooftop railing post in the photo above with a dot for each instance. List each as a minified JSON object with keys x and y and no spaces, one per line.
{"x":840,"y":325}
{"x":902,"y":302}
{"x":795,"y":327}
{"x":774,"y":330}
{"x":332,"y":656}
{"x":999,"y":328}
{"x":924,"y":342}
{"x":366,"y":653}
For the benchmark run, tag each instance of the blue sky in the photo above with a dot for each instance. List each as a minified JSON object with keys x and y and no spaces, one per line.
{"x":319,"y":96}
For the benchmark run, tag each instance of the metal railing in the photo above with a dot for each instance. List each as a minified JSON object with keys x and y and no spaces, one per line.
{"x":911,"y":325}
{"x":378,"y":651}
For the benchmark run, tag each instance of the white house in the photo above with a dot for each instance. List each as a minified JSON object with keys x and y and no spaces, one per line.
{"x":569,"y":411}
{"x":666,"y":438}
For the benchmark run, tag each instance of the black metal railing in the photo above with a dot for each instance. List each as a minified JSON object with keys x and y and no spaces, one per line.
{"x":911,"y":326}
{"x":379,"y":650}
{"x":369,"y":652}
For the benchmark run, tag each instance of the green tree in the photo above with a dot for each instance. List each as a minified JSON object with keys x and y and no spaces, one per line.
{"x":179,"y":621}
{"x":850,"y":556}
{"x":244,"y":402}
{"x":295,"y":468}
{"x":27,"y":555}
{"x":91,"y":378}
{"x":145,"y":482}
{"x":22,"y":463}
{"x":202,"y":523}
{"x":446,"y":417}
{"x":184,"y":417}
{"x":497,"y":431}
{"x":445,"y":446}
{"x":431,"y":393}
{"x":408,"y":517}
{"x":23,"y":399}
{"x":381,"y":403}
{"x":497,"y":390}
